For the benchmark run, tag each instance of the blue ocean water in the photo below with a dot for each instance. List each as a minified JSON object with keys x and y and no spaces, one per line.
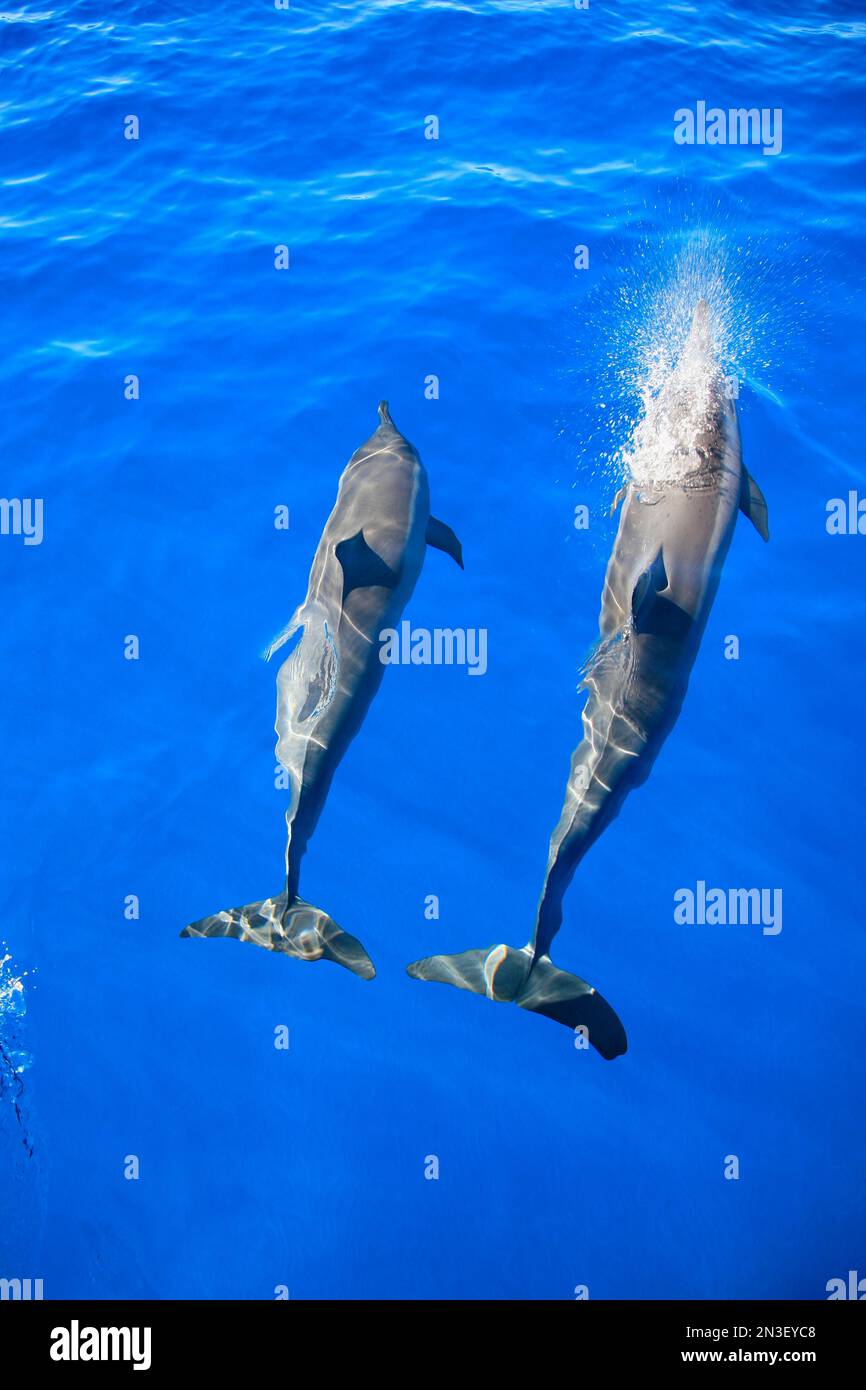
{"x":409,"y":258}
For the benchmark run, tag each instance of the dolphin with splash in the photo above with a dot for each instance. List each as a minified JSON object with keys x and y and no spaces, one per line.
{"x":675,"y":529}
{"x":363,"y":574}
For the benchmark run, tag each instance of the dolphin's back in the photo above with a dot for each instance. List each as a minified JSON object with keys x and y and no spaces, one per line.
{"x":660,"y":583}
{"x":363,"y":573}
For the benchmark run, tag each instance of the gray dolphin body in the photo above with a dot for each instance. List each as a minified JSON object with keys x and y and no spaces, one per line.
{"x":363,"y":573}
{"x":660,"y":584}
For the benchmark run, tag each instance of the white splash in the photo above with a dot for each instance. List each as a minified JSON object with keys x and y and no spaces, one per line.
{"x":680,"y":396}
{"x":647,"y":414}
{"x":13,"y":1007}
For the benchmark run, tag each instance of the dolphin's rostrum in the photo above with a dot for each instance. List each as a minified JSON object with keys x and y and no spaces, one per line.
{"x":363,"y":573}
{"x":676,"y":525}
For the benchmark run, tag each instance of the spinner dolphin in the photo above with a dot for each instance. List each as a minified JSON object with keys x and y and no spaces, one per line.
{"x":688,"y":483}
{"x":363,"y":574}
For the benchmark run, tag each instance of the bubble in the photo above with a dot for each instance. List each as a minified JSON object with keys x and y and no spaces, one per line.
{"x":14,"y":1059}
{"x":640,"y":314}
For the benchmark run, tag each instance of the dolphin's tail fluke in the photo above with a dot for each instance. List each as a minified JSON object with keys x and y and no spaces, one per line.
{"x":505,"y":974}
{"x":299,"y":930}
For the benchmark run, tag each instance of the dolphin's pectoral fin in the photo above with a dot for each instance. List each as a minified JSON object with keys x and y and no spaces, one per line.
{"x":619,"y":496}
{"x":441,"y":537}
{"x":509,"y":976}
{"x":753,"y":505}
{"x":362,"y":567}
{"x":296,"y":621}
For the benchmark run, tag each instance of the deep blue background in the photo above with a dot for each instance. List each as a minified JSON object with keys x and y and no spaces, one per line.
{"x":411,"y":257}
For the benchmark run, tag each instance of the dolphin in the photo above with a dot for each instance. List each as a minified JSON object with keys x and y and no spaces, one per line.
{"x":687,"y":484}
{"x":363,"y":574}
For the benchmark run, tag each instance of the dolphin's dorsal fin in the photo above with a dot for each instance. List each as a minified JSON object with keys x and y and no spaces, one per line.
{"x":655,"y":611}
{"x":650,"y":583}
{"x":441,"y":537}
{"x":753,"y":505}
{"x":362,"y":567}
